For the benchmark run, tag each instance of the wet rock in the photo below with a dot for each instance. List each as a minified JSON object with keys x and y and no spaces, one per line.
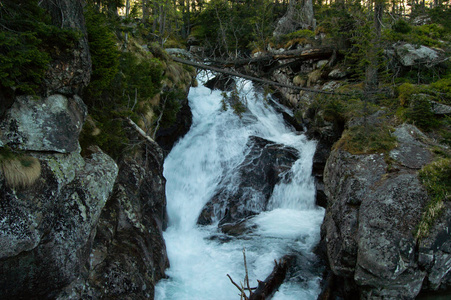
{"x":221,"y":82}
{"x":50,"y":124}
{"x":435,"y":253}
{"x":247,"y":192}
{"x":166,"y":137}
{"x":128,"y":255}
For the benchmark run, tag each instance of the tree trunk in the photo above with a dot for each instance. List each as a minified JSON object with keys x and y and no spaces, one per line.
{"x":296,"y":18}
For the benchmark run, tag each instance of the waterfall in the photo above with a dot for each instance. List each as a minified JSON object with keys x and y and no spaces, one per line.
{"x":201,"y":256}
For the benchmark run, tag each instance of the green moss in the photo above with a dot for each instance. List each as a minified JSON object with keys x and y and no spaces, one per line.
{"x":436,"y":178}
{"x":367,"y":139}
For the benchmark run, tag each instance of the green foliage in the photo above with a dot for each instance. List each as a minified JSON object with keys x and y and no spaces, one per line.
{"x":233,"y":100}
{"x":128,"y":95}
{"x":138,"y":78}
{"x":401,"y":26}
{"x":169,"y":107}
{"x":436,"y":178}
{"x":440,"y":15}
{"x":428,"y":34}
{"x":420,"y":113}
{"x":442,"y":88}
{"x":367,"y":139}
{"x":405,"y":91}
{"x":338,"y":22}
{"x":229,"y":27}
{"x":28,"y":42}
{"x":104,"y":53}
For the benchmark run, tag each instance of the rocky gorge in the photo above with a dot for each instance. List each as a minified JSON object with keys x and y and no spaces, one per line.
{"x":74,"y":226}
{"x":84,"y":226}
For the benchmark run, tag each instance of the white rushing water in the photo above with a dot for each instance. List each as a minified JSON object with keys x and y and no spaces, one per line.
{"x":201,"y":256}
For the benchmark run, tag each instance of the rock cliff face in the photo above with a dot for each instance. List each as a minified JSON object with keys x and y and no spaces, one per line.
{"x":375,"y":203}
{"x":73,"y":226}
{"x":128,"y":253}
{"x":48,"y":226}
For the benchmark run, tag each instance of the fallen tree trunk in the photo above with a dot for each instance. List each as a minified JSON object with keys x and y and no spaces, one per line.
{"x":302,"y":54}
{"x":271,"y":284}
{"x":261,"y":80}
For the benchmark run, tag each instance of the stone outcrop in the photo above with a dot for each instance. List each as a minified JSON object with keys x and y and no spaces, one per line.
{"x":166,"y":137}
{"x":47,"y":229}
{"x":82,"y":228}
{"x":128,"y":254}
{"x":375,"y":202}
{"x":409,"y":55}
{"x":50,"y":124}
{"x":263,"y":167}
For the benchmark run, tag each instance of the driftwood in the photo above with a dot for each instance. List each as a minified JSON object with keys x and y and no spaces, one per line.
{"x":270,"y":285}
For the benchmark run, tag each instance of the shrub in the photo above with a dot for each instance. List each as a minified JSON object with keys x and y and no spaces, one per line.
{"x":104,"y":54}
{"x":420,"y":113}
{"x":401,"y":26}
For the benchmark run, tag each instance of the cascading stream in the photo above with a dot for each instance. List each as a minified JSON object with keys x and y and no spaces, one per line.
{"x":202,"y":256}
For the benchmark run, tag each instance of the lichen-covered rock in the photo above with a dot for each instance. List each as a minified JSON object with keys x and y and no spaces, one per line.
{"x":46,"y":230}
{"x":51,"y":124}
{"x":409,"y":55}
{"x":263,"y":167}
{"x":435,"y":253}
{"x":128,"y":255}
{"x":411,"y":152}
{"x":375,"y":203}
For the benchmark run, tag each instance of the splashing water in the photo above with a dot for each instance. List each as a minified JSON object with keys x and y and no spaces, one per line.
{"x":202,"y":256}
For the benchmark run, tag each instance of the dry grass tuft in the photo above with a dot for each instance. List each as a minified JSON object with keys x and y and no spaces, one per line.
{"x":20,"y":171}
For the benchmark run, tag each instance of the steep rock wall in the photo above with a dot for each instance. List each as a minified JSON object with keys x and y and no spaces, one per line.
{"x":375,"y":203}
{"x":73,"y":226}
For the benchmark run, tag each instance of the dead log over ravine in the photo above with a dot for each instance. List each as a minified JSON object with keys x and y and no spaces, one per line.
{"x":252,"y":78}
{"x":303,"y":54}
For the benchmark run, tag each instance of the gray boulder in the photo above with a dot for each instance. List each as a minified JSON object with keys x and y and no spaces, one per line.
{"x":410,"y":55}
{"x":51,"y":124}
{"x":374,"y":205}
{"x":47,"y":229}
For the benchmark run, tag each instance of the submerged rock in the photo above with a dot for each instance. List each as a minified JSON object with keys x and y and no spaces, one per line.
{"x":248,"y":191}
